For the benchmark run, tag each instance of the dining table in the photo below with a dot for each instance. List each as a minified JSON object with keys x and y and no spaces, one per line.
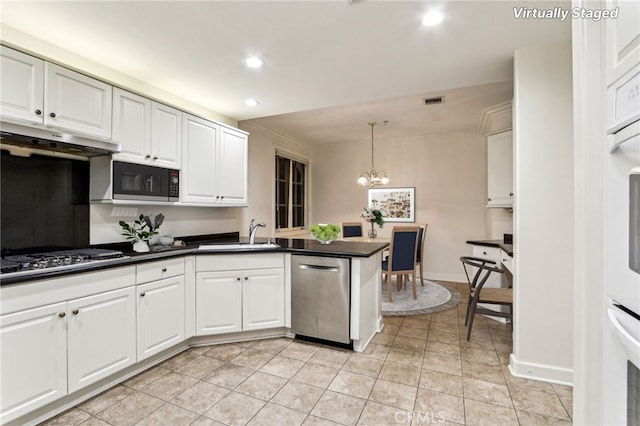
{"x":365,"y":239}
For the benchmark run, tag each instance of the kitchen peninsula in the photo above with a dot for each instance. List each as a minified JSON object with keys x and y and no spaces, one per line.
{"x":157,"y":305}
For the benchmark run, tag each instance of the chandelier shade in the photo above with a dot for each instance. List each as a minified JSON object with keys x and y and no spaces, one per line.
{"x":373,"y":177}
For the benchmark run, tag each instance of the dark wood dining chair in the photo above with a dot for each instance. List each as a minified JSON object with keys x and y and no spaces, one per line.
{"x":351,"y":229}
{"x":479,"y":294}
{"x":402,"y":256}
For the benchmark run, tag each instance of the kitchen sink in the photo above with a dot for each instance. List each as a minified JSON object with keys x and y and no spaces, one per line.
{"x":238,"y":246}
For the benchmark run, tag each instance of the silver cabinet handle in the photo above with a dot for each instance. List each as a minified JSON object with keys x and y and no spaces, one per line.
{"x":320,"y":267}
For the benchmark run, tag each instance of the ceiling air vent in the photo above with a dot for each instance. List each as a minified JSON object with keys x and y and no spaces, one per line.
{"x":434,"y":101}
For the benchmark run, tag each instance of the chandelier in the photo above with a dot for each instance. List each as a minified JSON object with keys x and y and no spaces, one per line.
{"x":373,"y":177}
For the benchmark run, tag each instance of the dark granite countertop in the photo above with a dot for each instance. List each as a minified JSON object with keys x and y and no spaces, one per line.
{"x":192,"y":244}
{"x":508,"y":248}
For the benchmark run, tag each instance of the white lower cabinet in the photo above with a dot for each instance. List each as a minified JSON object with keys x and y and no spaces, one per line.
{"x":233,"y":301}
{"x":218,"y":302}
{"x":54,"y":350}
{"x":237,"y":300}
{"x":262,"y":299}
{"x":33,"y":359}
{"x":161,"y":315}
{"x":101,"y":336}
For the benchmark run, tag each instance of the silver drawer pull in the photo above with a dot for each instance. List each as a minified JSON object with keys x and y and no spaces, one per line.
{"x":320,"y":267}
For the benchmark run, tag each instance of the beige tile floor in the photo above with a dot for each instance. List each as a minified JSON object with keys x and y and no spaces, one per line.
{"x":419,"y":370}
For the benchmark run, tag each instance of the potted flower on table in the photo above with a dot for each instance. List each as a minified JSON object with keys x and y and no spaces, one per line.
{"x":373,"y":216}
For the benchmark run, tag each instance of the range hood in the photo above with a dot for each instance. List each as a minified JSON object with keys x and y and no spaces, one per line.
{"x":42,"y":141}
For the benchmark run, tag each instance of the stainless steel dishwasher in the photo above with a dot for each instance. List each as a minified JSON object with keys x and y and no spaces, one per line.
{"x":320,"y":297}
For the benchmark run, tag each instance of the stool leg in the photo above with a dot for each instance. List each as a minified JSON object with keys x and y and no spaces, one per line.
{"x":472,"y":313}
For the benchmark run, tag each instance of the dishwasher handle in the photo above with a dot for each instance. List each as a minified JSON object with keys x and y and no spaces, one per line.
{"x":319,"y":267}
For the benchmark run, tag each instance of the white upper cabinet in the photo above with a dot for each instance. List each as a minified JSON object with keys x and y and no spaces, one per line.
{"x":622,"y":39}
{"x":214,"y":163}
{"x":131,"y":126}
{"x":21,"y":86}
{"x":232,"y":167}
{"x":500,"y":169}
{"x":199,"y":155}
{"x":76,"y":102}
{"x":166,"y":136}
{"x":40,"y":93}
{"x":149,"y":132}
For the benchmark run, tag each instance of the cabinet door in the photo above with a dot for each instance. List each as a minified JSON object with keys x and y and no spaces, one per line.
{"x":102,"y":336}
{"x":21,"y":86}
{"x":232,"y":167}
{"x":161,"y":315}
{"x":622,"y":41}
{"x":218,"y":302}
{"x":198,"y":177}
{"x":132,"y":126}
{"x":76,"y":102}
{"x":166,"y":136}
{"x":33,"y":359}
{"x":500,"y":169}
{"x":263,"y":299}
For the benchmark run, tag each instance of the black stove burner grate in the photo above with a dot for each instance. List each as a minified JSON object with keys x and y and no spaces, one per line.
{"x":67,"y":258}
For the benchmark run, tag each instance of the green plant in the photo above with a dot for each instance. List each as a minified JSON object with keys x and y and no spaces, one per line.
{"x":373,"y":216}
{"x":139,"y":230}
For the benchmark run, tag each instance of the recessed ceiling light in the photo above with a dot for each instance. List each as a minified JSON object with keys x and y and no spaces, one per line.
{"x":253,"y":62}
{"x":251,"y":102}
{"x":432,"y":18}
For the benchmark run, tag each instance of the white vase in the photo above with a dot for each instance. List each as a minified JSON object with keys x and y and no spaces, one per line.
{"x":140,"y":246}
{"x":154,"y":240}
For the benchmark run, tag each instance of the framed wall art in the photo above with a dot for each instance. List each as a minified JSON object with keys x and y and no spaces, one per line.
{"x":396,"y":204}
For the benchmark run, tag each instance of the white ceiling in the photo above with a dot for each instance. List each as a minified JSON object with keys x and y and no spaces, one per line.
{"x":334,"y":65}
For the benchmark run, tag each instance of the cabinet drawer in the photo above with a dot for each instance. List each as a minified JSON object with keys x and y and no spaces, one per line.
{"x":160,"y":269}
{"x":226,"y":262}
{"x":484,"y":252}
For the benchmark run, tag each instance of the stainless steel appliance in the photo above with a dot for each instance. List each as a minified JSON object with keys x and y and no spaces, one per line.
{"x":321,"y":298}
{"x":42,"y":140}
{"x":621,"y":355}
{"x":31,"y":264}
{"x":119,"y":180}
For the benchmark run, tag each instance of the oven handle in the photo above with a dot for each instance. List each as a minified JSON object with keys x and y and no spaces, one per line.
{"x":630,"y":342}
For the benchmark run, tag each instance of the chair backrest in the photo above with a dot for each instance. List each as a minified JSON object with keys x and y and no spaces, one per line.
{"x":351,"y":229}
{"x":422,"y":235}
{"x":403,"y":248}
{"x":484,"y":268}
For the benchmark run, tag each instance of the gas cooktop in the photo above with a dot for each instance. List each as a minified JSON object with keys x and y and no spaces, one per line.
{"x":29,"y":264}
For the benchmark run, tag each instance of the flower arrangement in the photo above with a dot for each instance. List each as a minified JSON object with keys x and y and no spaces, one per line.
{"x":373,"y":216}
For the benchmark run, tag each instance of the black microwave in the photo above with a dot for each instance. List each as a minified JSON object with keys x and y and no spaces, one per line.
{"x":145,"y":183}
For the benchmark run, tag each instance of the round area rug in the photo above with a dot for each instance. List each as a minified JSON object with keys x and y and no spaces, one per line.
{"x":431,"y":298}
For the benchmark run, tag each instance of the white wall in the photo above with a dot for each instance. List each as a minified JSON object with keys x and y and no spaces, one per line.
{"x":449,"y":175}
{"x":543,"y":218}
{"x":179,"y":221}
{"x":263,"y":145}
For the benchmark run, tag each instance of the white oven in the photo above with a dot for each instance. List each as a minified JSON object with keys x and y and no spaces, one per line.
{"x":621,"y":356}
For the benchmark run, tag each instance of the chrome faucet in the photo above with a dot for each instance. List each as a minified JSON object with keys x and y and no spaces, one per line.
{"x":252,"y":230}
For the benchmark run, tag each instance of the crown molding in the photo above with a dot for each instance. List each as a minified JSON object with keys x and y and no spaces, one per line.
{"x":488,"y":114}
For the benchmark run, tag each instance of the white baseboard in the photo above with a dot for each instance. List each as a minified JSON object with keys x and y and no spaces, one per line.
{"x":545,"y":373}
